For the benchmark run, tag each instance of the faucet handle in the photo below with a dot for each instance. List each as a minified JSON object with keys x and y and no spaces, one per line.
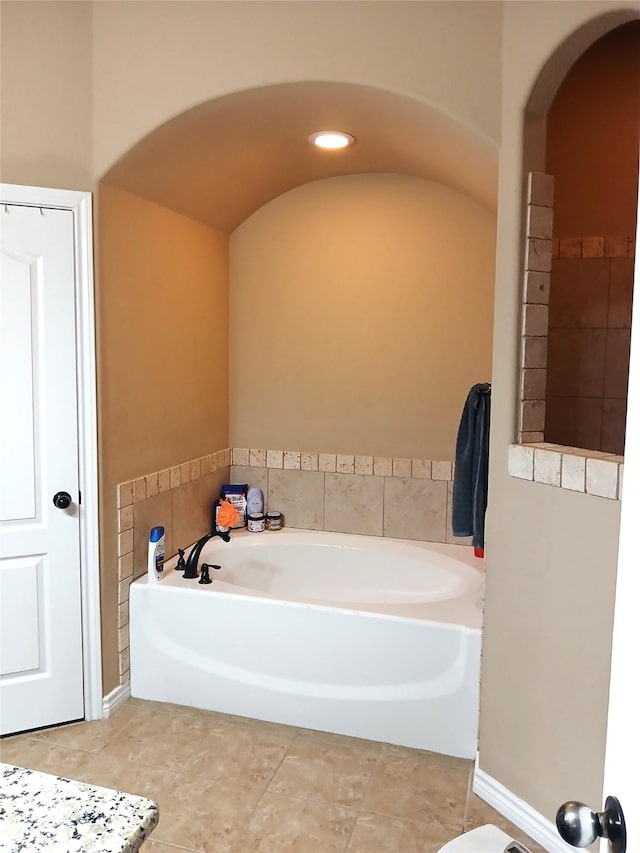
{"x":181,"y":564}
{"x":204,"y":572}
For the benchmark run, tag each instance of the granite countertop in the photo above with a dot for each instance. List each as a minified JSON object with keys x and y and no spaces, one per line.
{"x":40,"y":812}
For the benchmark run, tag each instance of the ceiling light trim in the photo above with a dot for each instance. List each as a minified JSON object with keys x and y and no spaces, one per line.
{"x":332,"y":140}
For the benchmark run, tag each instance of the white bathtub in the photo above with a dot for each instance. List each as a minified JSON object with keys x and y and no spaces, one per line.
{"x":358,"y":635}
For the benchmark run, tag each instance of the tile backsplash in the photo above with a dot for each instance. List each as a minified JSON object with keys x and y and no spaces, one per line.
{"x":372,"y":495}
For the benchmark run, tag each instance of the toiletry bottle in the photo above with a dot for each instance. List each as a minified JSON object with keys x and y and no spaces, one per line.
{"x":155,"y":562}
{"x":255,"y":501}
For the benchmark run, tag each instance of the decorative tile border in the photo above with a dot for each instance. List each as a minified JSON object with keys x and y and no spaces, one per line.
{"x":132,"y":492}
{"x":586,"y":471}
{"x":331,"y":463}
{"x":149,"y":485}
{"x":611,"y":246}
{"x":535,"y":308}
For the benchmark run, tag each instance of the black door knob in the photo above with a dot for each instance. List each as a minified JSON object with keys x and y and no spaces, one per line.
{"x":62,"y":500}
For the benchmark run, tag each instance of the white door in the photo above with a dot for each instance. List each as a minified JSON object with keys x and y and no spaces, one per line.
{"x":622,"y":757}
{"x":41,"y":656}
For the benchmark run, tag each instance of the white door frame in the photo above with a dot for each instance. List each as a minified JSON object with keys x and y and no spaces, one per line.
{"x":80,"y":205}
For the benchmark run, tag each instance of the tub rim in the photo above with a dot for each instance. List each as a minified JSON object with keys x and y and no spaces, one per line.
{"x":463,"y":611}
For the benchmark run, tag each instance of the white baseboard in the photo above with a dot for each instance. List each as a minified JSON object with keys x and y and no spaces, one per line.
{"x":114,"y":699}
{"x":531,"y":822}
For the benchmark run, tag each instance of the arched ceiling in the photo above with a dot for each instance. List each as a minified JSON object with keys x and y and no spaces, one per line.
{"x":220,"y":161}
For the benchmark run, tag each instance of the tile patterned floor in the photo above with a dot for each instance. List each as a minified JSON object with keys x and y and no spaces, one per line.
{"x":232,"y":785}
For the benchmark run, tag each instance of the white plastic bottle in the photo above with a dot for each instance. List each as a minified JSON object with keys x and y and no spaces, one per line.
{"x":255,"y":501}
{"x":155,"y":562}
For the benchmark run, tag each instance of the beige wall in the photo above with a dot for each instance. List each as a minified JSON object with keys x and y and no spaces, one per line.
{"x":152,"y":61}
{"x":361,"y":313}
{"x":163,"y":356}
{"x":46,"y":94}
{"x":551,"y":555}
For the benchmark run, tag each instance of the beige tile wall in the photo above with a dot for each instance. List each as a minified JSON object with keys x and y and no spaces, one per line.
{"x":178,"y":498}
{"x":370,"y":495}
{"x":589,"y":339}
{"x":572,"y":408}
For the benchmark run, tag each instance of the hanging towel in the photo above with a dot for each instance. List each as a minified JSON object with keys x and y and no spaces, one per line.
{"x":472,"y":466}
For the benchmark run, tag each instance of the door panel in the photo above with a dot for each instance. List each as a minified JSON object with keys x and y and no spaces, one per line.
{"x":41,"y":665}
{"x":21,"y":615}
{"x":18,"y":339}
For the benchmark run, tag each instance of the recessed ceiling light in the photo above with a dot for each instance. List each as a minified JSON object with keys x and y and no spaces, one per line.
{"x":332,"y":139}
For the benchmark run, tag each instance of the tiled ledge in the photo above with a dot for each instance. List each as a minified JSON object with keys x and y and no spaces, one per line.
{"x":572,"y":468}
{"x":397,"y":497}
{"x":337,"y":463}
{"x":153,"y":484}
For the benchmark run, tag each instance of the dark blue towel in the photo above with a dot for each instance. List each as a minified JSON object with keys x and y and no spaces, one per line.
{"x":471,"y":475}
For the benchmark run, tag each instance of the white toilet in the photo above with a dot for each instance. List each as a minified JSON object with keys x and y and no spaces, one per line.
{"x":484,"y":839}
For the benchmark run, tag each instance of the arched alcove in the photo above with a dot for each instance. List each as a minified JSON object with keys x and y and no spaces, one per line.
{"x":230,"y":181}
{"x":593,"y":136}
{"x":582,"y":128}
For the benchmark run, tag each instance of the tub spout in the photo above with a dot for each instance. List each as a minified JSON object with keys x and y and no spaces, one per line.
{"x":191,"y":569}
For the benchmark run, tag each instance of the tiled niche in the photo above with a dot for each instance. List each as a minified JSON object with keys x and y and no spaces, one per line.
{"x":544,"y":334}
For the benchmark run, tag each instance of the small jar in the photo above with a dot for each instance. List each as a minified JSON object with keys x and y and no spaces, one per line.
{"x":274,"y":521}
{"x":256,"y":522}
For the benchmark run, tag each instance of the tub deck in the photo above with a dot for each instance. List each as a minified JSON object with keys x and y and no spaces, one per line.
{"x":463,"y":609}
